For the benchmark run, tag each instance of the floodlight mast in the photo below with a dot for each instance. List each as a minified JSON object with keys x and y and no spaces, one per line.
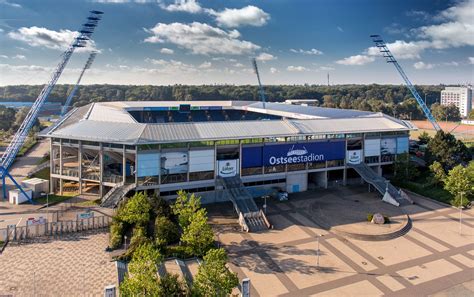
{"x":261,"y":91}
{"x":380,"y":44}
{"x":88,"y":64}
{"x":20,"y":136}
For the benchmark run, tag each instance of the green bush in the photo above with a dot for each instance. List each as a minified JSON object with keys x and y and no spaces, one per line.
{"x":370,"y":216}
{"x":179,"y":251}
{"x":116,"y":234}
{"x":166,"y":231}
{"x":136,"y":210}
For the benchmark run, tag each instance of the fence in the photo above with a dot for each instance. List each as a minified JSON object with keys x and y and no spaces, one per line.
{"x":53,"y":229}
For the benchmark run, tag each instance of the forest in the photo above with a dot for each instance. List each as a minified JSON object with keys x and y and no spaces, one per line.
{"x":394,"y":100}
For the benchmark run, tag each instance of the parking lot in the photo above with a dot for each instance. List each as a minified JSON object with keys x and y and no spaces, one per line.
{"x":433,"y":257}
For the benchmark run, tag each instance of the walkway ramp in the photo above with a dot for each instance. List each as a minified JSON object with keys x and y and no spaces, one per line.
{"x":116,"y":195}
{"x":390,"y":194}
{"x":251,"y":218}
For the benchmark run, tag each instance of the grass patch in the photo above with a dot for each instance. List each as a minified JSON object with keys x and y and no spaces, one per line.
{"x":424,"y":187}
{"x":29,"y":143}
{"x":43,"y":160}
{"x":53,"y":199}
{"x":43,"y":173}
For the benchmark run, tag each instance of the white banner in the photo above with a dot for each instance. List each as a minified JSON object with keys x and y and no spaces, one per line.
{"x":227,"y":168}
{"x":174,"y":163}
{"x":202,"y":160}
{"x":148,"y":164}
{"x":372,"y":147}
{"x":354,"y":157}
{"x":388,"y":146}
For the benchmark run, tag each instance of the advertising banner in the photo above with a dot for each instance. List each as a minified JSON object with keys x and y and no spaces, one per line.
{"x":354,"y":157}
{"x":227,"y":168}
{"x":402,"y":145}
{"x":282,"y":154}
{"x":174,"y":163}
{"x":148,"y":164}
{"x":372,"y":147}
{"x":388,"y":146}
{"x":252,"y":156}
{"x":202,"y":160}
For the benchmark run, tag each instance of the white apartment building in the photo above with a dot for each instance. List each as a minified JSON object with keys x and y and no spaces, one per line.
{"x":458,"y":96}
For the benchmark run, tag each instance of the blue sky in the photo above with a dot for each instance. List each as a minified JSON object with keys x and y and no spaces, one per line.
{"x":207,"y":42}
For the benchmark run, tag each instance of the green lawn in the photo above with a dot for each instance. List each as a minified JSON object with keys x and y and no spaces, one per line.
{"x":423,"y":187}
{"x":43,"y":173}
{"x":29,"y":143}
{"x":53,"y":199}
{"x":95,"y":202}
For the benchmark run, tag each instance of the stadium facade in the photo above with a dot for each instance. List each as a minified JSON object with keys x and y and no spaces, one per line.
{"x":168,"y":146}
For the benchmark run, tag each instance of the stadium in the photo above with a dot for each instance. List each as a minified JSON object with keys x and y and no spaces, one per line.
{"x":207,"y":147}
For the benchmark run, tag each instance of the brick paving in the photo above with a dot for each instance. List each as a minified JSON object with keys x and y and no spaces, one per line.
{"x":77,"y":265}
{"x":431,"y":259}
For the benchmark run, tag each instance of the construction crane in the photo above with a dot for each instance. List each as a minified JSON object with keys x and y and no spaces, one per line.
{"x":260,"y":90}
{"x":380,"y":44}
{"x":73,"y":92}
{"x":20,"y":136}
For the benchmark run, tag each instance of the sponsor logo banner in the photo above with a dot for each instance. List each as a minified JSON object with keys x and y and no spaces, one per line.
{"x":282,"y":154}
{"x":354,"y":157}
{"x":227,"y":168}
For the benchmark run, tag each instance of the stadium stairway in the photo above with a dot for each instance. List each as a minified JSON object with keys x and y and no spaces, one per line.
{"x":390,"y":194}
{"x":251,"y":218}
{"x":116,"y":195}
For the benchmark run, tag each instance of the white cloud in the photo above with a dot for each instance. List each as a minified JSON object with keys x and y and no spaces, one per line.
{"x":402,"y":49}
{"x":169,"y":67}
{"x":205,"y":65}
{"x":297,"y":68}
{"x":42,"y":37}
{"x":265,"y":57}
{"x":356,"y":60}
{"x":421,"y":65}
{"x":25,"y":68}
{"x":4,"y":56}
{"x":312,"y":51}
{"x":273,"y":70}
{"x":1,"y":30}
{"x":452,"y":63}
{"x":19,"y":57}
{"x":11,"y":4}
{"x":471,"y":60}
{"x":239,"y":65}
{"x":190,"y":6}
{"x":247,"y":16}
{"x":200,"y":38}
{"x":166,"y":51}
{"x":339,"y":29}
{"x":325,"y":68}
{"x":223,"y":59}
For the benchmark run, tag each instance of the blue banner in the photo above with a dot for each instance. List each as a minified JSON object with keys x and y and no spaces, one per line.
{"x":281,"y":154}
{"x":251,"y":156}
{"x":303,"y":152}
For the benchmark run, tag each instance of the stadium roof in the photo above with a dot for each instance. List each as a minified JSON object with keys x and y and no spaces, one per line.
{"x":111,"y":122}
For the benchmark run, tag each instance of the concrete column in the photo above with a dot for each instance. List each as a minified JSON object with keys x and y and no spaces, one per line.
{"x":60,"y":166}
{"x":240,"y":158}
{"x":344,"y":176}
{"x":124,"y":165}
{"x":79,"y":160}
{"x":187,"y":173}
{"x":101,"y":170}
{"x":51,"y":166}
{"x":159,"y":166}
{"x":326,"y":179}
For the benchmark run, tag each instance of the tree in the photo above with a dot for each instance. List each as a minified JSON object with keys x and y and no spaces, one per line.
{"x":142,"y":279}
{"x":444,"y":148}
{"x":438,"y":173}
{"x":171,"y":285}
{"x":471,"y":115}
{"x":184,"y":207}
{"x":404,"y":169}
{"x":160,"y":206}
{"x":198,"y":235}
{"x":424,"y":138}
{"x":214,"y":278}
{"x":166,"y":231}
{"x":460,"y":185}
{"x":445,"y":112}
{"x":136,"y":210}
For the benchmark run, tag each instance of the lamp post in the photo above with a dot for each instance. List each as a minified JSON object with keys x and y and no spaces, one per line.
{"x":318,"y":250}
{"x":125,"y":237}
{"x":265,"y":204}
{"x":460,"y":215}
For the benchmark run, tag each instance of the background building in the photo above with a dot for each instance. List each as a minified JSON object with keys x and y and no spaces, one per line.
{"x":458,"y":96}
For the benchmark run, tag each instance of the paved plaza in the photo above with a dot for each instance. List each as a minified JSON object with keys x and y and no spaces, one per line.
{"x":77,"y":265}
{"x":431,"y":259}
